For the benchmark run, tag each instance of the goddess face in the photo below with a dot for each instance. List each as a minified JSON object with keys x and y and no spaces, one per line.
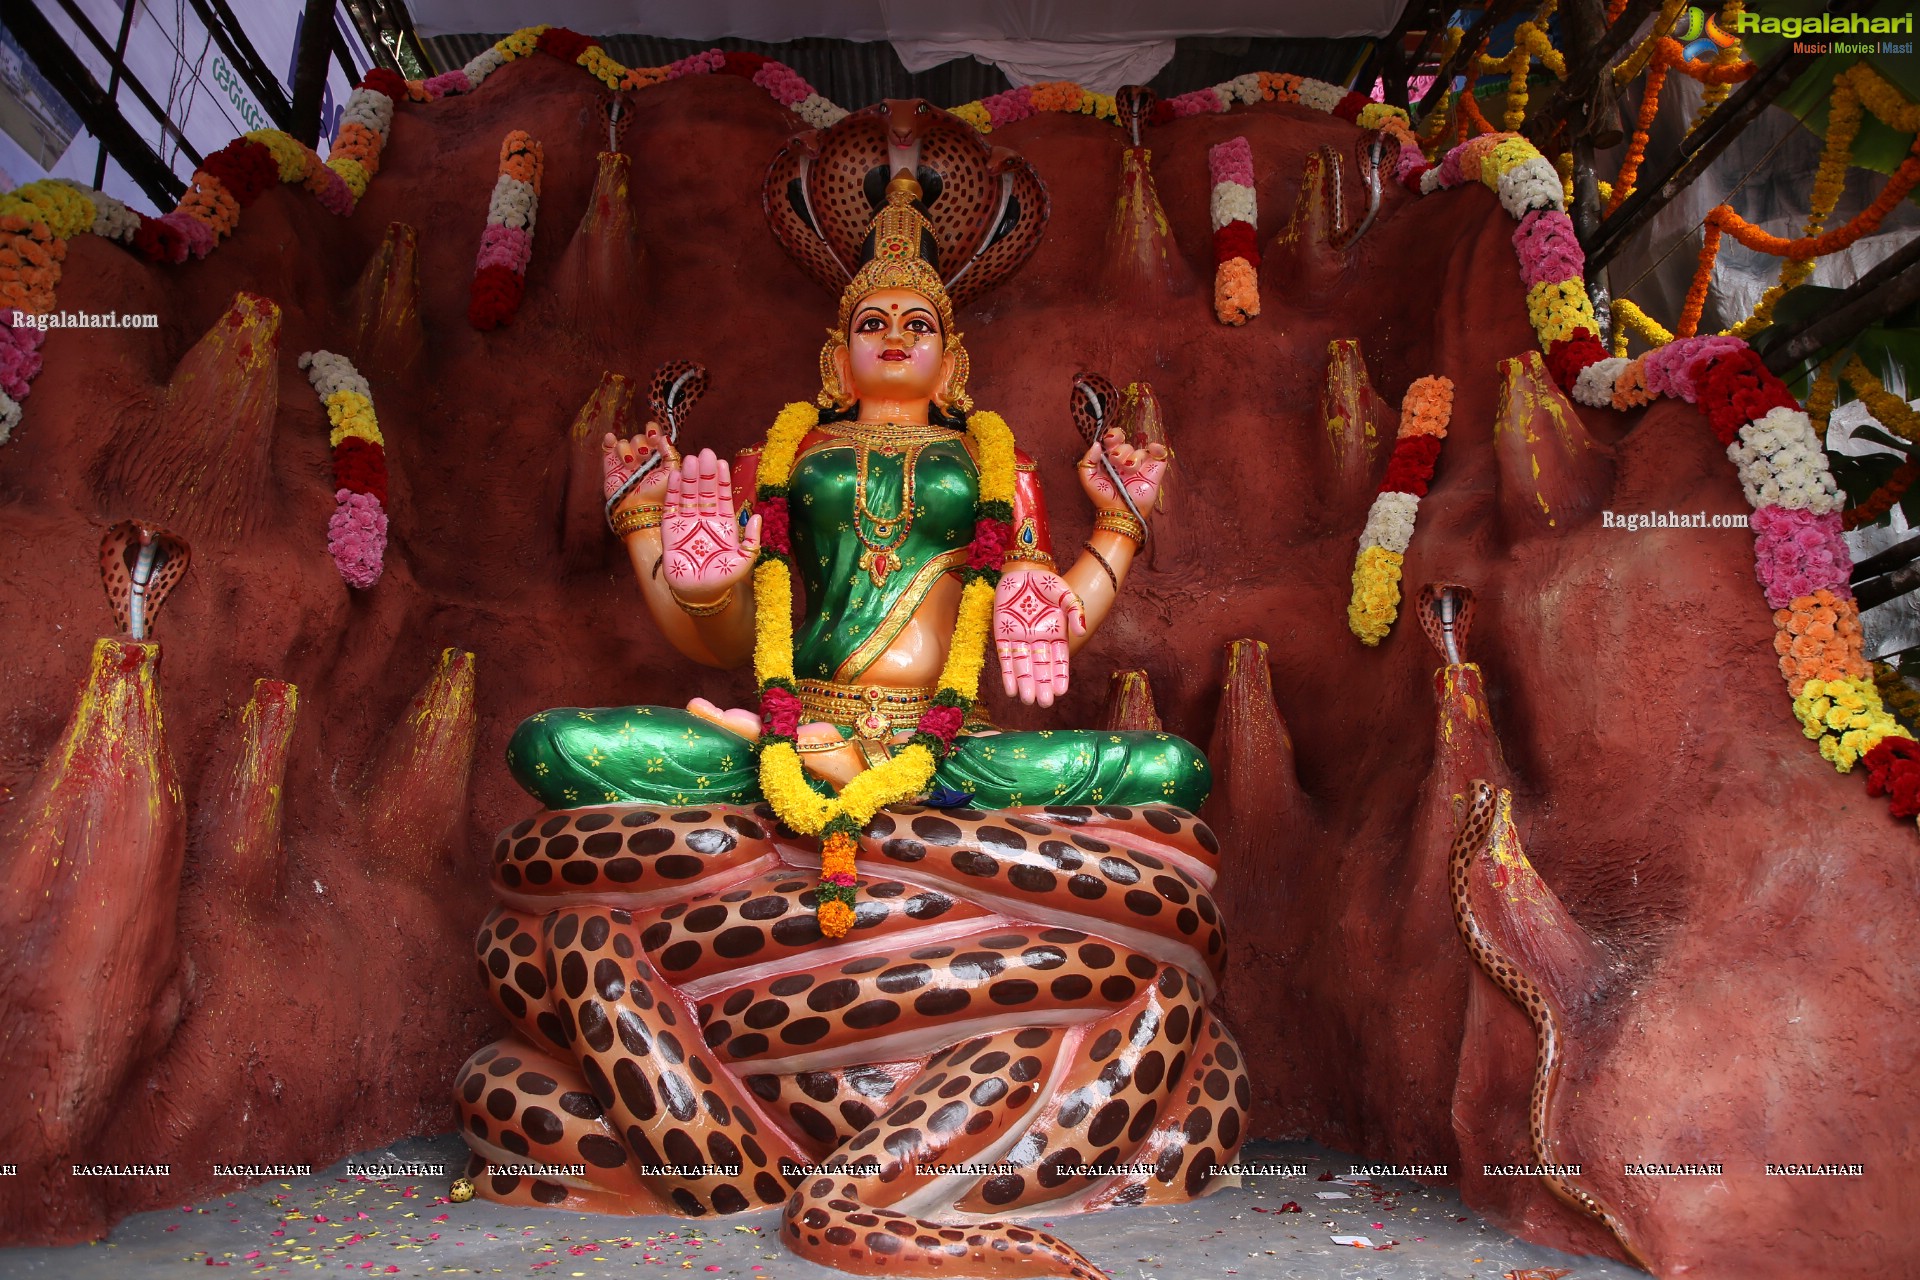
{"x":895,"y":350}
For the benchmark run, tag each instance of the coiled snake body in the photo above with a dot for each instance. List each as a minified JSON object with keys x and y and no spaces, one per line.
{"x":1485,"y":812}
{"x":1016,"y":1023}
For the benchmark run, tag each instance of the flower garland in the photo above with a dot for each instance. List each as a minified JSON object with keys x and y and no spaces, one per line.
{"x":1800,"y":558}
{"x":783,"y":778}
{"x":500,"y":275}
{"x":357,"y":531}
{"x":1236,"y":250}
{"x":1375,"y":603}
{"x":37,"y":220}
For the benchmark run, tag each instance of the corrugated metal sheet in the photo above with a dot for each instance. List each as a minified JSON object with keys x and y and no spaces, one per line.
{"x":855,"y":74}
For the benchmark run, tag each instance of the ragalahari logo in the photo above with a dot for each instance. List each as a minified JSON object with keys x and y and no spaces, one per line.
{"x":1832,"y":25}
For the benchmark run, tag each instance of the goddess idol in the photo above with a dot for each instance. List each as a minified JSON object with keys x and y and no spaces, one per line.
{"x":1033,"y":942}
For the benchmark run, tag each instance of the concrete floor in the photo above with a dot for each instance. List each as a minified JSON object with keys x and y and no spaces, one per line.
{"x":337,"y":1224}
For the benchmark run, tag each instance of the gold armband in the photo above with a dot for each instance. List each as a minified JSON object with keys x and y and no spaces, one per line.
{"x":1123,"y":523}
{"x":696,"y":610}
{"x":634,"y":519}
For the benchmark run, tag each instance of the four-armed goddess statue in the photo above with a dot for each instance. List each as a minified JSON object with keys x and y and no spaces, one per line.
{"x":992,"y":998}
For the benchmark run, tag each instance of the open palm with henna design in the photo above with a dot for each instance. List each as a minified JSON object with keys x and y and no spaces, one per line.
{"x":1034,"y":613}
{"x":707,"y":552}
{"x":1140,"y":470}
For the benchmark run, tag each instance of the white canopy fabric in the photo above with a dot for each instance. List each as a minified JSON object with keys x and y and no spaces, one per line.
{"x":1101,"y":44}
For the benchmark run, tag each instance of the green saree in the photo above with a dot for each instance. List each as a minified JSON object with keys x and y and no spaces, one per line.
{"x":874,"y":528}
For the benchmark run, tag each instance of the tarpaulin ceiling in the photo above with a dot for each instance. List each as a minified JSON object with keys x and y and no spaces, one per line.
{"x":1099,"y":43}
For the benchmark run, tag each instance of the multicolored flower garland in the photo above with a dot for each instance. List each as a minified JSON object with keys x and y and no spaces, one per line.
{"x":1801,"y":560}
{"x":357,"y":532}
{"x":1236,"y":250}
{"x":907,"y":774}
{"x":1424,"y":414}
{"x":506,"y":246}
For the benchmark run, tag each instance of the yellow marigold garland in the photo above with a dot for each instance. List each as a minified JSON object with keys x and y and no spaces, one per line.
{"x":1376,"y":594}
{"x":65,"y":211}
{"x":1845,"y":717}
{"x":783,"y":778}
{"x":352,"y":415}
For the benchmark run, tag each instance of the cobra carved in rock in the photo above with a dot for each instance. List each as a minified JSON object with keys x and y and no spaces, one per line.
{"x":1016,"y":1023}
{"x":1486,"y":838}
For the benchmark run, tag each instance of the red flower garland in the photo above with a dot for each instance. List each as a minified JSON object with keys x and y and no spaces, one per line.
{"x":1734,"y":388}
{"x":385,"y":80}
{"x":361,"y":465}
{"x":1893,"y":770}
{"x":160,"y":241}
{"x":245,"y":168}
{"x":1410,"y":467}
{"x":1350,"y":107}
{"x":1566,"y":358}
{"x":495,"y":297}
{"x":743,"y":64}
{"x":1236,"y":240}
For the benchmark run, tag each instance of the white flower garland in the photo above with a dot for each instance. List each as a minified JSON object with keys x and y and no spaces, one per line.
{"x":111,"y":219}
{"x":1232,"y":202}
{"x":1320,"y":95}
{"x":489,"y":61}
{"x":1782,"y":464}
{"x":819,"y":112}
{"x":330,"y":373}
{"x":372,"y":108}
{"x":1390,"y":522}
{"x":514,"y":204}
{"x":1594,"y":386}
{"x":9,"y":416}
{"x":1533,"y":184}
{"x":1242,"y":89}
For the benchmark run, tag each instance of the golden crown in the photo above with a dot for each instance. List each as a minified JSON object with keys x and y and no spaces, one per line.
{"x":901,"y":237}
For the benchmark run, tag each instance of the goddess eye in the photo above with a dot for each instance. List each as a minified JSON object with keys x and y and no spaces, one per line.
{"x":919,"y":325}
{"x":871,"y":324}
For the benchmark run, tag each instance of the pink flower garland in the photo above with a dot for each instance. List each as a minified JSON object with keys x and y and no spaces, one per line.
{"x":357,"y":537}
{"x":787,"y":86}
{"x":1548,"y":248}
{"x":698,"y":64}
{"x":1798,"y":553}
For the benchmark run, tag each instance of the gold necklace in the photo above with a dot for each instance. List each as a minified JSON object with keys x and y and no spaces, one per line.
{"x":890,"y":437}
{"x":880,"y":556}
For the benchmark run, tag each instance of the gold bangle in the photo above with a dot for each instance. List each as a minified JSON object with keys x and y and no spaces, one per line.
{"x":697,"y":610}
{"x":806,"y":747}
{"x":1030,"y":557}
{"x":1112,"y":577}
{"x":634,"y":519}
{"x":1122,"y":522}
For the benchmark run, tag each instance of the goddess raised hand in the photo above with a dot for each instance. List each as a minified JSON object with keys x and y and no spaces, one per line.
{"x":707,"y":553}
{"x":619,"y":459}
{"x":1140,"y":471}
{"x":1038,"y":616}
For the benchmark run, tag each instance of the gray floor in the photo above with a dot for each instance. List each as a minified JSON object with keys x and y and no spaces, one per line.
{"x":341,"y":1225}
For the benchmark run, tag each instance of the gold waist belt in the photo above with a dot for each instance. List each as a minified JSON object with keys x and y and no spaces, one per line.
{"x":870,"y":710}
{"x":875,"y":710}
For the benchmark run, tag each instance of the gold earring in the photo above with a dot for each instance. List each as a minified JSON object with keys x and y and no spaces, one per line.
{"x":832,"y":394}
{"x":955,"y":391}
